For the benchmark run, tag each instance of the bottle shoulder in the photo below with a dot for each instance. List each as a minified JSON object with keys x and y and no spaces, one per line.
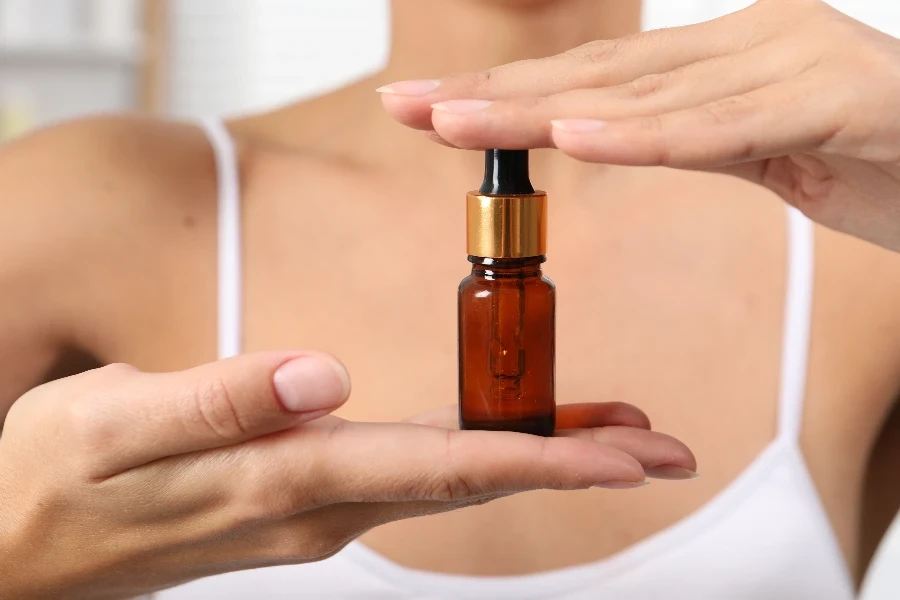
{"x":485,"y":286}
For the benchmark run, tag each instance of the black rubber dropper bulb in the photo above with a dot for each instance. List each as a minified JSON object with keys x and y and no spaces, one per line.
{"x":506,"y":173}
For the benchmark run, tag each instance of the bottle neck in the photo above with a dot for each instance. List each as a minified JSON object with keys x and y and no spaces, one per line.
{"x":496,"y":268}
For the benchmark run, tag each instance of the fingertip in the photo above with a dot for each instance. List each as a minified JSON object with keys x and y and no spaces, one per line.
{"x":638,"y":418}
{"x":684,"y":457}
{"x":576,"y":145}
{"x":598,"y":463}
{"x":497,"y":128}
{"x":461,"y":131}
{"x":411,"y":88}
{"x":679,"y":455}
{"x":312,"y":383}
{"x":411,"y":111}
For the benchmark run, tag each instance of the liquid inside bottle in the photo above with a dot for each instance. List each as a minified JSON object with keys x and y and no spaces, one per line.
{"x":507,"y":312}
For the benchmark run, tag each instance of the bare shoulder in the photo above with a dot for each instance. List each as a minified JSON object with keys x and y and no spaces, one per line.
{"x":89,"y":211}
{"x":73,"y":181}
{"x":82,"y":167}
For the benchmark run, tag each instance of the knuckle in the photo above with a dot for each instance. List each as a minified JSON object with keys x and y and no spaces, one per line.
{"x":307,"y":546}
{"x":214,"y":409}
{"x":482,"y":80}
{"x":88,"y":432}
{"x":260,"y":503}
{"x":729,"y":110}
{"x":118,"y":370}
{"x":660,"y":151}
{"x":746,"y":150}
{"x":108,"y":375}
{"x":582,"y":56}
{"x":597,"y":52}
{"x":650,"y":124}
{"x":269,"y":492}
{"x":326,"y":544}
{"x":874,"y":61}
{"x":647,"y":85}
{"x":451,"y":485}
{"x":449,"y":488}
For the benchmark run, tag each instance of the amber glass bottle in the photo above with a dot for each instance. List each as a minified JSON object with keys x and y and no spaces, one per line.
{"x":507,"y":308}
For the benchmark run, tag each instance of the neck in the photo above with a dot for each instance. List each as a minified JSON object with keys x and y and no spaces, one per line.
{"x":433,"y":38}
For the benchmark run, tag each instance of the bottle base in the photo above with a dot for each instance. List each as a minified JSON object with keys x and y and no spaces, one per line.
{"x":543,"y":426}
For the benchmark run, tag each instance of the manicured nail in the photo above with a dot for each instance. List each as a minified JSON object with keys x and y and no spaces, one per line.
{"x":579,"y":125}
{"x":670,"y":473}
{"x":414,"y":87}
{"x":622,"y":485}
{"x":462,"y":107}
{"x":312,"y":383}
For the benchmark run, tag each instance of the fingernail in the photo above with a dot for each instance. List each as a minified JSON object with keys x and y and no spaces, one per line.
{"x":622,"y":485}
{"x":311,"y":384}
{"x":670,"y":473}
{"x":579,"y":125}
{"x":462,"y":107}
{"x":414,"y":87}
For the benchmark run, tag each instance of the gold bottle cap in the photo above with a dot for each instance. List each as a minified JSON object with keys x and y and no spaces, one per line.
{"x":513,"y":226}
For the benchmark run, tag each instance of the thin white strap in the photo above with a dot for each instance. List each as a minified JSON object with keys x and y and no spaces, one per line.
{"x":230,"y":322}
{"x":797,"y":324}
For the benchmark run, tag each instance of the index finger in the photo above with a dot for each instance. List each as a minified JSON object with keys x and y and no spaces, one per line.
{"x":403,"y":462}
{"x":596,"y":64}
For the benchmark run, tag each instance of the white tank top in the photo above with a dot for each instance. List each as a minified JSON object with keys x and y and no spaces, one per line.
{"x":766,"y":536}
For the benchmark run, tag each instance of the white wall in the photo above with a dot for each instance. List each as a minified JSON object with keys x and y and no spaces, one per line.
{"x":243,"y":55}
{"x":60,"y":59}
{"x":233,"y":56}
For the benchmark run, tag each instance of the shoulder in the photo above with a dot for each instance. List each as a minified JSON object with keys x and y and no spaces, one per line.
{"x":85,"y":208}
{"x":103,"y":168}
{"x":77,"y":166}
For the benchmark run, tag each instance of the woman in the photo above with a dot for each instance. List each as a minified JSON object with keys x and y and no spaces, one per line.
{"x":689,"y":294}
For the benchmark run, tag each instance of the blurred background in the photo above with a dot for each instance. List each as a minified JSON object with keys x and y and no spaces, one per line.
{"x":60,"y":59}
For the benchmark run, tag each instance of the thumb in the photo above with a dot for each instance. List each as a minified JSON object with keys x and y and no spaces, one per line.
{"x":144,"y":417}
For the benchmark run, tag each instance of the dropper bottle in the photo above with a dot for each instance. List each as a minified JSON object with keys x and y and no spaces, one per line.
{"x":507,"y":308}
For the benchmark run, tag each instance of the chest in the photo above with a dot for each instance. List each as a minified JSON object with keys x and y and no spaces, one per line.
{"x":376,"y":284}
{"x":676,"y":308}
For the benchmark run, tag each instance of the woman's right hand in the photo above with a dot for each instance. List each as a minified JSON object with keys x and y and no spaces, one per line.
{"x":116,"y":483}
{"x":789,"y":94}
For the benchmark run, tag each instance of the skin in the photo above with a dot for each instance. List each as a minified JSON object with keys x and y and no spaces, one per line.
{"x":673,"y":301}
{"x":235,"y":465}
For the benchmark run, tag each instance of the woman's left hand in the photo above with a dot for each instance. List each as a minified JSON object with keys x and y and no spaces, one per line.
{"x":790,"y":94}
